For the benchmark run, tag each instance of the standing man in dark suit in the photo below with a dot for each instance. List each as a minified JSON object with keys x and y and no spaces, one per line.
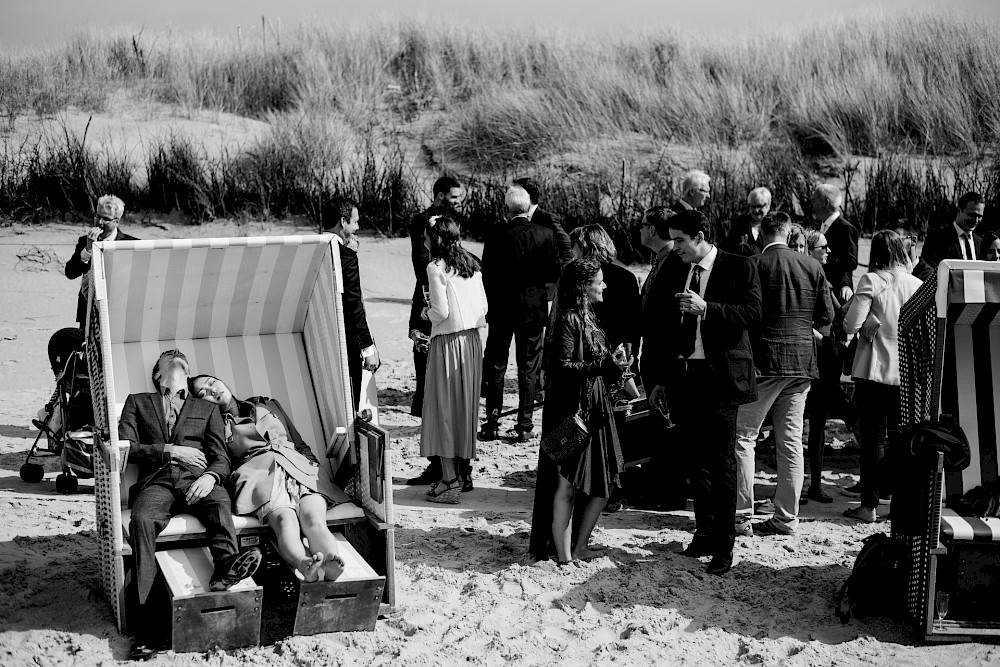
{"x":705,"y":371}
{"x":841,"y":237}
{"x":106,"y":218}
{"x":178,"y":442}
{"x":745,"y":237}
{"x":340,"y":216}
{"x":956,"y":241}
{"x":520,"y":271}
{"x":795,"y":301}
{"x":546,"y":219}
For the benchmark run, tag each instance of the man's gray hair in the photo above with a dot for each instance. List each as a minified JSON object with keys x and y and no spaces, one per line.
{"x":693,"y":180}
{"x":517,"y":200}
{"x":830,"y":194}
{"x":760,"y":194}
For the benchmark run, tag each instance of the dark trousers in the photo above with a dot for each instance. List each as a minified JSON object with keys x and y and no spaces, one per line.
{"x":826,"y":399}
{"x":354,"y":371}
{"x":878,"y":420}
{"x":528,"y":339}
{"x":151,"y":512}
{"x":708,"y":434}
{"x":420,"y":367}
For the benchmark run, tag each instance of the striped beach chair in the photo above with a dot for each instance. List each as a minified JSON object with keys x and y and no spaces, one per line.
{"x":263,"y":313}
{"x":949,"y":338}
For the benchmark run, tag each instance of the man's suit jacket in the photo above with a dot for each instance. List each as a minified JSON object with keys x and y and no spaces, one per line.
{"x":734,"y":307}
{"x":651,"y":322}
{"x":943,"y":243}
{"x":355,"y":320}
{"x":520,"y":271}
{"x":740,"y":240}
{"x":795,"y":300}
{"x":563,"y":243}
{"x":621,"y":309}
{"x":199,"y":425}
{"x":842,"y":240}
{"x":76,"y":267}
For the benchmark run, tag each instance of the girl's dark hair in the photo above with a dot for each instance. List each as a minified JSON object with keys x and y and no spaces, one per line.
{"x":446,"y":245}
{"x":201,"y":377}
{"x":888,"y":252}
{"x":572,"y":299}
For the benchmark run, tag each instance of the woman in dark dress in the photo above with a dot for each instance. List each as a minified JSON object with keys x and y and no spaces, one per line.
{"x":579,"y":362}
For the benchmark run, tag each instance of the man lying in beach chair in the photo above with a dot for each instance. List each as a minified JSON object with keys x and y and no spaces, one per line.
{"x":178,"y":441}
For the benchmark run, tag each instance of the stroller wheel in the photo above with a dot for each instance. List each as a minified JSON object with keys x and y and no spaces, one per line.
{"x":32,"y":473}
{"x":66,"y":483}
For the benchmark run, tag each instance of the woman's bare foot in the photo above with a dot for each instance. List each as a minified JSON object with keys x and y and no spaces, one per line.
{"x":311,"y":568}
{"x":333,"y":567}
{"x":586,"y":553}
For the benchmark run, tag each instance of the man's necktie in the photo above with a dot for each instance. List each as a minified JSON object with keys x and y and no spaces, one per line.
{"x":649,"y":279}
{"x":175,"y":401}
{"x":968,"y":245}
{"x":689,"y":321}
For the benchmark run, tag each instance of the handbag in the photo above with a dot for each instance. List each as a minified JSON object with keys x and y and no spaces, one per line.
{"x":572,"y":434}
{"x":566,"y":439}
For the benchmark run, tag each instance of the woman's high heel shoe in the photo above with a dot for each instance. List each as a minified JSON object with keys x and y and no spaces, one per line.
{"x":447,"y":493}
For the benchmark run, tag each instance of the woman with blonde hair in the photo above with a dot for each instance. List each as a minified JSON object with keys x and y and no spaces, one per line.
{"x":874,"y":313}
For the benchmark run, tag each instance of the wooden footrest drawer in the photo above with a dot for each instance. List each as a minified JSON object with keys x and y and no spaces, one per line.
{"x":201,"y":619}
{"x":293,"y":606}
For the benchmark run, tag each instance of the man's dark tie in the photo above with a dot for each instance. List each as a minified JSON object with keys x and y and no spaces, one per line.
{"x":649,"y":279}
{"x":968,"y":245}
{"x":175,"y":401}
{"x":689,"y":321}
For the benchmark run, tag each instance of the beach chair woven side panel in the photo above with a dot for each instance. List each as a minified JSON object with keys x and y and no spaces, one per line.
{"x":107,"y":499}
{"x":947,"y":584}
{"x":241,"y":309}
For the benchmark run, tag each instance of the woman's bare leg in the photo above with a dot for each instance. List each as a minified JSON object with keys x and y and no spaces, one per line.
{"x":591,"y":513}
{"x":562,"y":515}
{"x":285,"y":525}
{"x":312,"y":515}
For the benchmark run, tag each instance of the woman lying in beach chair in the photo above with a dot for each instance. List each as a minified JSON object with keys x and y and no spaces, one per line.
{"x":276,"y":478}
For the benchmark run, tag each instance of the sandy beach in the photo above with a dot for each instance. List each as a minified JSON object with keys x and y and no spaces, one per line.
{"x":463,"y":597}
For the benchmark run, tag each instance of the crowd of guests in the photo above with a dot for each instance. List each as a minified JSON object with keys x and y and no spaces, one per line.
{"x":735,"y":321}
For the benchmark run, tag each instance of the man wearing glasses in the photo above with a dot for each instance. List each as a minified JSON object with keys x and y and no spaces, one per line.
{"x":109,"y":211}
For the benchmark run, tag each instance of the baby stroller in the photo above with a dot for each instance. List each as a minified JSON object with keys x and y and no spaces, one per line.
{"x":66,"y":419}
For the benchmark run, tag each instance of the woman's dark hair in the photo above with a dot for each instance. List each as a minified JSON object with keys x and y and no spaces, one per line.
{"x":203,"y":376}
{"x":572,"y":298}
{"x":888,"y":252}
{"x":446,"y":245}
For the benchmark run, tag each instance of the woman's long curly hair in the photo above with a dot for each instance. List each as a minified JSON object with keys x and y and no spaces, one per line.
{"x":573,"y":300}
{"x":446,"y":245}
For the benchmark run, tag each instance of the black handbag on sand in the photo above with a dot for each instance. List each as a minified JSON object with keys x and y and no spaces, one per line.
{"x":566,"y":439}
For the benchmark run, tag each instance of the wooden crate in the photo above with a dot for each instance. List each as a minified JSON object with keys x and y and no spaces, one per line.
{"x":201,"y":619}
{"x":295,"y":607}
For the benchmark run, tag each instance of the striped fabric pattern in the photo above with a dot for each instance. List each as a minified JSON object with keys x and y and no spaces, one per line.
{"x":968,"y":529}
{"x":263,"y":314}
{"x":967,"y":282}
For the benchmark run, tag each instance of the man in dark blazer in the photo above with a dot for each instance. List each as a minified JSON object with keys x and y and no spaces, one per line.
{"x":795,"y":301}
{"x":106,"y":218}
{"x":841,"y":238}
{"x":340,"y":216}
{"x":704,"y":371}
{"x":520,"y":271}
{"x":956,"y":241}
{"x":547,"y":219}
{"x":178,"y":442}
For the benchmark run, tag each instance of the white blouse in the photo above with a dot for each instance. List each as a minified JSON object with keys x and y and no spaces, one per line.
{"x":456,"y":303}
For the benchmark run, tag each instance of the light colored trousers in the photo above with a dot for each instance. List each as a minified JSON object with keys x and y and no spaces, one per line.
{"x":785,"y":397}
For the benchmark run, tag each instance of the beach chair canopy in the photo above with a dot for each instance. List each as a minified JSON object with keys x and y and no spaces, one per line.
{"x":259,"y":313}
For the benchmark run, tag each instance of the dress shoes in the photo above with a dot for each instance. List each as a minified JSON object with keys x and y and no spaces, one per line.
{"x":235,"y":569}
{"x":700,"y":546}
{"x":141,"y":651}
{"x":721,"y":563}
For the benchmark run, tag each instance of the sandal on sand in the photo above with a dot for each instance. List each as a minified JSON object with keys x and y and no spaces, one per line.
{"x":433,"y":490}
{"x":862,"y":514}
{"x":446,"y":492}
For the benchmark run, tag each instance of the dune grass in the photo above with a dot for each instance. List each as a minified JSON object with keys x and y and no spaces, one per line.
{"x":505,"y":102}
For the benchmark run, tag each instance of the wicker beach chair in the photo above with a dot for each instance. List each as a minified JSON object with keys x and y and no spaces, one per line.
{"x":949,"y":336}
{"x":263,"y":313}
